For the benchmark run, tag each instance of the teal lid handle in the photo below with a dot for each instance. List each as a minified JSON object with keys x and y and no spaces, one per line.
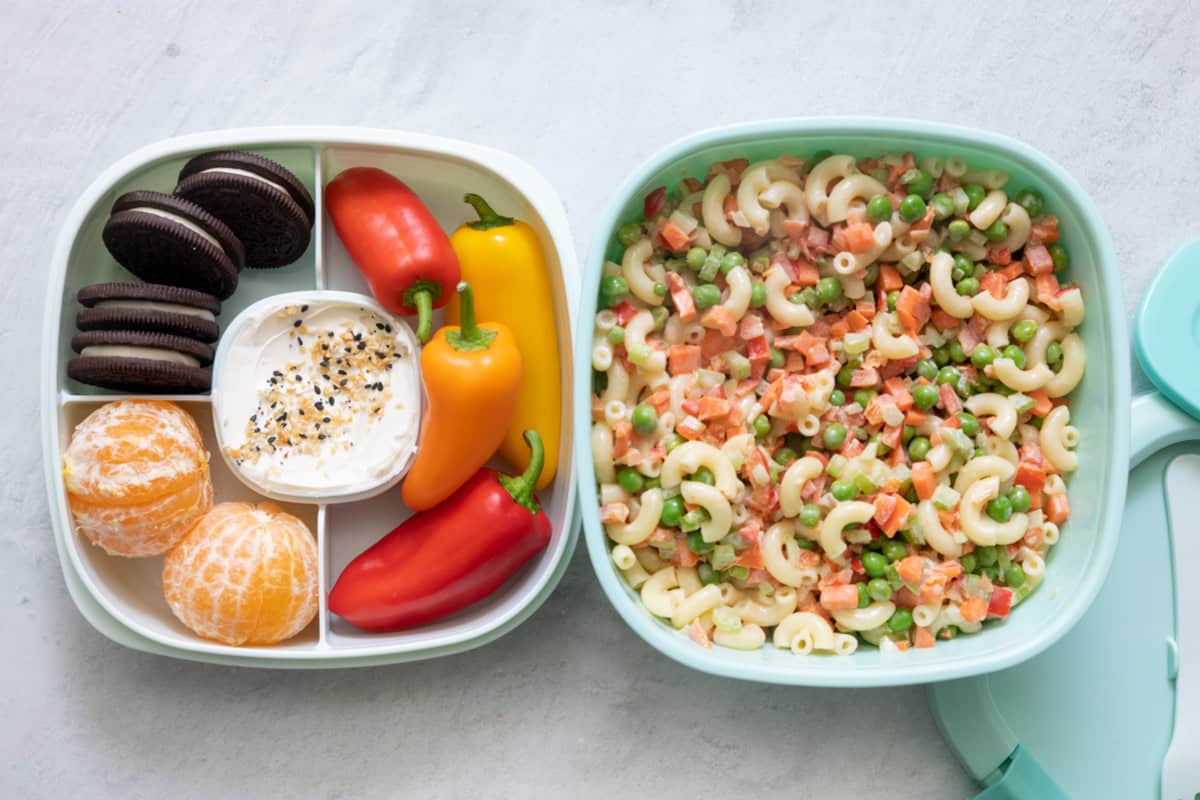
{"x":1022,"y":777}
{"x":1166,"y":332}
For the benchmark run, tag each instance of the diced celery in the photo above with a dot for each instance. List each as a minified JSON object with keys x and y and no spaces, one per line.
{"x":739,"y":366}
{"x":738,"y":573}
{"x":957,"y":440}
{"x":707,"y":378}
{"x":1002,"y":559}
{"x":864,"y":484}
{"x":945,"y":497}
{"x":1023,"y":403}
{"x":837,"y":463}
{"x":726,"y":619}
{"x":639,"y":353}
{"x":857,"y":342}
{"x":722,"y":556}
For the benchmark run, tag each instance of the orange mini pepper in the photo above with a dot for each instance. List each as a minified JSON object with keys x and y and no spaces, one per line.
{"x":472,"y":374}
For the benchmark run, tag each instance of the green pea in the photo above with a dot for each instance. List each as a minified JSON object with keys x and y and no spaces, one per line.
{"x":918,"y":448}
{"x":941,"y":356}
{"x":948,"y":375}
{"x":837,"y":398}
{"x":630,"y":480}
{"x":834,"y":435}
{"x":697,"y":544}
{"x":925,"y":396}
{"x":616,"y":335}
{"x":992,"y":573}
{"x":844,"y":376}
{"x":963,"y":387}
{"x":706,"y":295}
{"x":758,"y":294}
{"x":1000,"y":509}
{"x":809,"y":516}
{"x":979,"y":452}
{"x":997,"y":231}
{"x":864,"y":597}
{"x":927,"y":369}
{"x":983,"y":355}
{"x":958,"y":230}
{"x":704,"y":475}
{"x":1015,"y":354}
{"x":975,"y":194}
{"x":1024,"y":330}
{"x":673,"y":511}
{"x":893,"y":297}
{"x":918,"y":182}
{"x":660,"y":289}
{"x":843,"y":490}
{"x":652,"y":483}
{"x":778,"y":359}
{"x":863,"y":396}
{"x":1020,"y":499}
{"x":879,"y":589}
{"x":762,"y":427}
{"x":806,"y":544}
{"x":969,"y":562}
{"x":912,"y":208}
{"x":1014,"y":576}
{"x":696,"y":256}
{"x":943,"y":205}
{"x":629,"y":234}
{"x":907,"y":433}
{"x":709,"y":576}
{"x":901,"y":620}
{"x":1053,"y":353}
{"x":968,"y":287}
{"x":956,"y":352}
{"x":894,"y":550}
{"x":613,"y":289}
{"x":808,"y":297}
{"x":964,"y":263}
{"x":874,"y":564}
{"x":644,"y":418}
{"x":784,"y":456}
{"x":829,"y":289}
{"x":732,"y":261}
{"x":1031,"y":200}
{"x":660,"y":314}
{"x":1060,"y":256}
{"x":969,"y":422}
{"x":879,"y":209}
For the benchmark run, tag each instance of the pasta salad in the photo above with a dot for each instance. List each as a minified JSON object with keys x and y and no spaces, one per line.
{"x":829,"y":401}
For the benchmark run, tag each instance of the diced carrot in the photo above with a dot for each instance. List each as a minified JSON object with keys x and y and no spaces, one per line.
{"x":675,"y":238}
{"x":1058,"y":508}
{"x":952,"y":422}
{"x":1013,"y":271}
{"x":994,"y":283}
{"x":622,"y":437}
{"x":885,"y":506}
{"x":889,"y":278}
{"x":1031,"y":476}
{"x":856,"y":321}
{"x":1042,"y":404}
{"x":1035,"y":498}
{"x":683,"y":359}
{"x":948,"y":518}
{"x":806,"y":274}
{"x":912,"y":308}
{"x":681,"y":297}
{"x":902,"y":645}
{"x":750,"y":558}
{"x":687,"y":430}
{"x":715,"y":343}
{"x":1047,"y":290}
{"x":714,"y":408}
{"x":943,"y":321}
{"x":721,"y":318}
{"x":923,"y":479}
{"x":660,"y":399}
{"x":974,"y":609}
{"x":914,"y":417}
{"x":910,"y":569}
{"x":817,"y":355}
{"x":899,"y":517}
{"x":839,"y":329}
{"x":794,"y":362}
{"x":683,"y":555}
{"x":1038,"y":260}
{"x":1044,"y":229}
{"x":923,"y":638}
{"x":948,"y":399}
{"x":840,"y":597}
{"x":859,"y":237}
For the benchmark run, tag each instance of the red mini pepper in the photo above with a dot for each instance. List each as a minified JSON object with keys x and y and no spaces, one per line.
{"x":394,"y":241}
{"x":442,"y":560}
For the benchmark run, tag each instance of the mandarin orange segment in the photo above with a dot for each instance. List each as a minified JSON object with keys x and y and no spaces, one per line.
{"x":136,"y":474}
{"x":244,"y":574}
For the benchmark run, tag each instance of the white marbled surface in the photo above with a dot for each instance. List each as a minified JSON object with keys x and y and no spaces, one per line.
{"x":571,"y":704}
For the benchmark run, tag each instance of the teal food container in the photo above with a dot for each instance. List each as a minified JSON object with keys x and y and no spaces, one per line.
{"x":1078,"y":564}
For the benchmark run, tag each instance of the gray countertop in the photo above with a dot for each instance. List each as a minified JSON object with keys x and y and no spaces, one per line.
{"x":572,"y":703}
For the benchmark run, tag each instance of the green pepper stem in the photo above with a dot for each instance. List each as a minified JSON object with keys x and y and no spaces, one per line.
{"x":468,"y":336}
{"x":488,"y":218}
{"x":420,"y":297}
{"x":520,"y":487}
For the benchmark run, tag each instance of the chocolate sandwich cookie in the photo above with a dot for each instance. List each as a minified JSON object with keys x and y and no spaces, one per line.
{"x":149,"y":308}
{"x":262,"y":202}
{"x":169,"y":240}
{"x":131,"y":361}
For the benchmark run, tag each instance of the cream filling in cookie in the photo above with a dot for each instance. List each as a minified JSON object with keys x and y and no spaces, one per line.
{"x":248,"y":174}
{"x":155,"y":305}
{"x":187,"y":223}
{"x":131,"y":351}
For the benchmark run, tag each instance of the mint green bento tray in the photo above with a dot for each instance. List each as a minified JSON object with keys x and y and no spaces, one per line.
{"x":122,"y":597}
{"x":1100,"y":408}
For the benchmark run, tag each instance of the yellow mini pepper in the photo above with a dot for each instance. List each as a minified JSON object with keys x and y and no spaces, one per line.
{"x":503,"y":259}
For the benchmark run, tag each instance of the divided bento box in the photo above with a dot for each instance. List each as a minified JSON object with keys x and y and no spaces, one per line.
{"x":123,"y":597}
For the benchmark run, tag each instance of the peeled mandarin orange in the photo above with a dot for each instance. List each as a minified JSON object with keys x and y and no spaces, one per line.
{"x":244,"y":574}
{"x":136,"y":475}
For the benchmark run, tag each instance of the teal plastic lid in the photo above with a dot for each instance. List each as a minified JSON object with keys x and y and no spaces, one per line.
{"x":1093,"y":716}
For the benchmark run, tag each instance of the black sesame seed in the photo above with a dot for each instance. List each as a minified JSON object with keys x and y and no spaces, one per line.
{"x":319,"y":406}
{"x":296,"y":324}
{"x":325,"y":420}
{"x":321,"y":436}
{"x":303,"y":309}
{"x":362,"y":345}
